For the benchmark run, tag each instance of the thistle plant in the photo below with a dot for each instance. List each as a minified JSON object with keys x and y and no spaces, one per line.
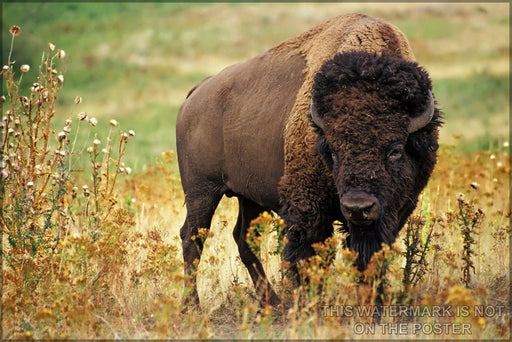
{"x":416,"y":248}
{"x":35,"y":161}
{"x":39,"y":199}
{"x":35,"y":172}
{"x":106,"y":166}
{"x":469,"y":221}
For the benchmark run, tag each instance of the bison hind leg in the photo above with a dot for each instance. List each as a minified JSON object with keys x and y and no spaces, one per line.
{"x":248,"y":211}
{"x":200,"y":210}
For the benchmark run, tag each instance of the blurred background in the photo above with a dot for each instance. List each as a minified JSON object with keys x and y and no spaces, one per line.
{"x":135,"y":62}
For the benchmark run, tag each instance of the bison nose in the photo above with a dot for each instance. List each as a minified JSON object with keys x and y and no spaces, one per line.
{"x":360,"y":208}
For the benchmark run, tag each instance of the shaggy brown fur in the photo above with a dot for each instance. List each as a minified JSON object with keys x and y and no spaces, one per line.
{"x":354,"y":32}
{"x":247,"y":132}
{"x":365,"y":102}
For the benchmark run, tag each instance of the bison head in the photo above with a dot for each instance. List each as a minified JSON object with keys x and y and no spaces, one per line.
{"x":377,"y":131}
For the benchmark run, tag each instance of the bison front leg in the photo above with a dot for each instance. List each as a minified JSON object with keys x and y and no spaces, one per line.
{"x":305,"y":228}
{"x":310,"y":206}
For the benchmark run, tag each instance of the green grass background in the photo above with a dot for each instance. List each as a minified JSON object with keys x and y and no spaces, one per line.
{"x":135,"y":62}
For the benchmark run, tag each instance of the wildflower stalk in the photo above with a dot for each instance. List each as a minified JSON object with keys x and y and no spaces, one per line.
{"x":120,"y":154}
{"x":469,"y":221}
{"x":415,"y":251}
{"x":15,"y":30}
{"x":52,"y":167}
{"x":106,"y":158}
{"x":11,"y":48}
{"x":96,"y":177}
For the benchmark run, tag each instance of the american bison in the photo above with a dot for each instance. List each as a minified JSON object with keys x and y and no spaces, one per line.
{"x":338,"y":123}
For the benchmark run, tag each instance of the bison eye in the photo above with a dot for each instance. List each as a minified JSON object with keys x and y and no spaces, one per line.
{"x":334,"y":157}
{"x":396,"y":152}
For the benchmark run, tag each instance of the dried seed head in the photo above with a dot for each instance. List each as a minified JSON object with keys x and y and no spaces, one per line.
{"x":61,"y":136}
{"x":36,"y":87}
{"x":505,"y":144}
{"x":90,"y":149}
{"x":96,"y":142}
{"x":93,"y":122}
{"x":60,"y":78}
{"x":492,"y":157}
{"x":51,"y":47}
{"x":459,"y":197}
{"x":25,"y":68}
{"x":30,"y":184}
{"x":5,"y":68}
{"x":128,"y":170}
{"x":131,"y":132}
{"x":2,"y":98}
{"x":82,"y":116}
{"x":67,"y":129}
{"x":475,"y":185}
{"x":78,"y":100}
{"x":68,"y":122}
{"x":124,"y":137}
{"x":113,"y":123}
{"x":61,"y":53}
{"x":15,"y":30}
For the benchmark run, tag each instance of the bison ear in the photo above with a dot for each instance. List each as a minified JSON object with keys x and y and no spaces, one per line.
{"x":424,"y":143}
{"x":315,"y":117}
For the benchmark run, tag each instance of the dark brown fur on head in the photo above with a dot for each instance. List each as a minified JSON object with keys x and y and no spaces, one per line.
{"x":365,"y":102}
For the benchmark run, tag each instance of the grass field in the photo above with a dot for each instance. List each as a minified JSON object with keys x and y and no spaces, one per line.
{"x":136,"y":62}
{"x":105,"y":261}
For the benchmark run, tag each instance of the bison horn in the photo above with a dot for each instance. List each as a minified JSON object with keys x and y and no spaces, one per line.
{"x":421,"y":121}
{"x":315,"y":117}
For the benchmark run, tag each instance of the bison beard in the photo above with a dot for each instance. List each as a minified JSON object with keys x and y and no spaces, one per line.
{"x":367,"y":242}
